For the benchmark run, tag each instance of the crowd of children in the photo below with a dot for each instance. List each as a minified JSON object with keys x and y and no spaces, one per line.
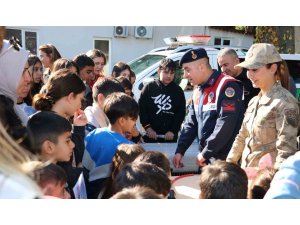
{"x":66,"y":126}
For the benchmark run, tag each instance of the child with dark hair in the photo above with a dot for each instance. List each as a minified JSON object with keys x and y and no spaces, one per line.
{"x":126,"y":84}
{"x":134,"y":135}
{"x":145,"y":175}
{"x":162,"y":105}
{"x":95,"y":115}
{"x":63,"y":63}
{"x":50,"y":136}
{"x":86,"y":73}
{"x":223,"y":180}
{"x":126,"y":153}
{"x":52,"y":179}
{"x":261,"y":183}
{"x":137,"y":192}
{"x":157,"y":158}
{"x":35,"y":69}
{"x":99,"y":59}
{"x":101,"y":144}
{"x":48,"y":54}
{"x":121,"y":69}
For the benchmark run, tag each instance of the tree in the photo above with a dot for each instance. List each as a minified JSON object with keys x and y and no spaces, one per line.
{"x":281,"y":37}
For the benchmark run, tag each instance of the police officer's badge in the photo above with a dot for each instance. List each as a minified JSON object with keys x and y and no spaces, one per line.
{"x":229,"y":92}
{"x":194,"y":56}
{"x":211,"y":96}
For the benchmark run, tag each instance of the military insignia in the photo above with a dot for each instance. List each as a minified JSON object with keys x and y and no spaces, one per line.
{"x":194,"y":56}
{"x":211,"y":81}
{"x":211,"y":96}
{"x":228,"y":106}
{"x":229,"y":92}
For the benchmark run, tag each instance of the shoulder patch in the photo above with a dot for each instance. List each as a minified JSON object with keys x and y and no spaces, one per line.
{"x":291,"y":117}
{"x":229,"y":92}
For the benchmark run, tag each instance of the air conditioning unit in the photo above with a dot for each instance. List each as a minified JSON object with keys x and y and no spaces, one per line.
{"x":120,"y":31}
{"x":143,"y":32}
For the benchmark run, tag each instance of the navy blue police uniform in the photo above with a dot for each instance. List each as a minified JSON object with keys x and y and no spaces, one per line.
{"x":215,"y":114}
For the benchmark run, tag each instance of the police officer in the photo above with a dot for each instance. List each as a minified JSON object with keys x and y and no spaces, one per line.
{"x":216,"y":111}
{"x":227,"y":59}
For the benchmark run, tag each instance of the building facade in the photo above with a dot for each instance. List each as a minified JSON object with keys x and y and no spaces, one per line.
{"x":120,"y":43}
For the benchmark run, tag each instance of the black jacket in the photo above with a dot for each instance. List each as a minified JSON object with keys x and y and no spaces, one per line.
{"x":163,"y":107}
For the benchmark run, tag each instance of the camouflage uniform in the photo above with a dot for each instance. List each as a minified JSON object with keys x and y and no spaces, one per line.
{"x":270,"y":125}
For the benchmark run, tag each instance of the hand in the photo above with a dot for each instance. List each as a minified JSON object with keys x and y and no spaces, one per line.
{"x":151,"y":133}
{"x":169,"y":136}
{"x":79,"y":118}
{"x":200,"y":161}
{"x":177,"y":160}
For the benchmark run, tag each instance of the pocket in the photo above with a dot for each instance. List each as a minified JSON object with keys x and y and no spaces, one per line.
{"x":248,"y":114}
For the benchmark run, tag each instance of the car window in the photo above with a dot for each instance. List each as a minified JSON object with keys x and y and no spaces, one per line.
{"x":144,"y":62}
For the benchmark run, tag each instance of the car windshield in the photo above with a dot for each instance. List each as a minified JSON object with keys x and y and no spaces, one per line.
{"x":144,"y":62}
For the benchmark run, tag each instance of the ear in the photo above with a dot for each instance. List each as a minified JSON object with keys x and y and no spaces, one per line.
{"x":274,"y":68}
{"x":47,"y":148}
{"x":158,"y":71}
{"x":121,"y":120}
{"x":71,"y":96}
{"x":100,"y":99}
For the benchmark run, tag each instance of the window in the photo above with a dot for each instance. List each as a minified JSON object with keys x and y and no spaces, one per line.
{"x":28,"y":39}
{"x":104,"y":46}
{"x":222,"y":41}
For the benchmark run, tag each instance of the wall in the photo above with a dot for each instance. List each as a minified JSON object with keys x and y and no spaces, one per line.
{"x":72,"y":40}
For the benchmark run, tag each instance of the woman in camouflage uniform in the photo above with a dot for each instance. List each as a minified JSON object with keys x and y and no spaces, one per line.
{"x":271,"y":121}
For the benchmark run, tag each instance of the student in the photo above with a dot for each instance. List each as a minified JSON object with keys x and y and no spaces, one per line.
{"x":143,"y":174}
{"x":157,"y":158}
{"x":162,"y":105}
{"x":99,"y":59}
{"x":86,"y":73}
{"x":15,"y":79}
{"x":126,"y":84}
{"x":134,"y":135}
{"x":52,"y":179}
{"x":95,"y":116}
{"x":23,"y":91}
{"x":36,"y":73}
{"x":101,"y":144}
{"x":271,"y":121}
{"x":223,"y":180}
{"x":121,"y":69}
{"x":48,"y":55}
{"x":63,"y":63}
{"x":137,"y":192}
{"x":126,"y":153}
{"x":50,"y":136}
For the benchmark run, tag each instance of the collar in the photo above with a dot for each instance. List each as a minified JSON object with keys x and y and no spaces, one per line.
{"x":211,"y":80}
{"x":267,"y":98}
{"x":242,"y":75}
